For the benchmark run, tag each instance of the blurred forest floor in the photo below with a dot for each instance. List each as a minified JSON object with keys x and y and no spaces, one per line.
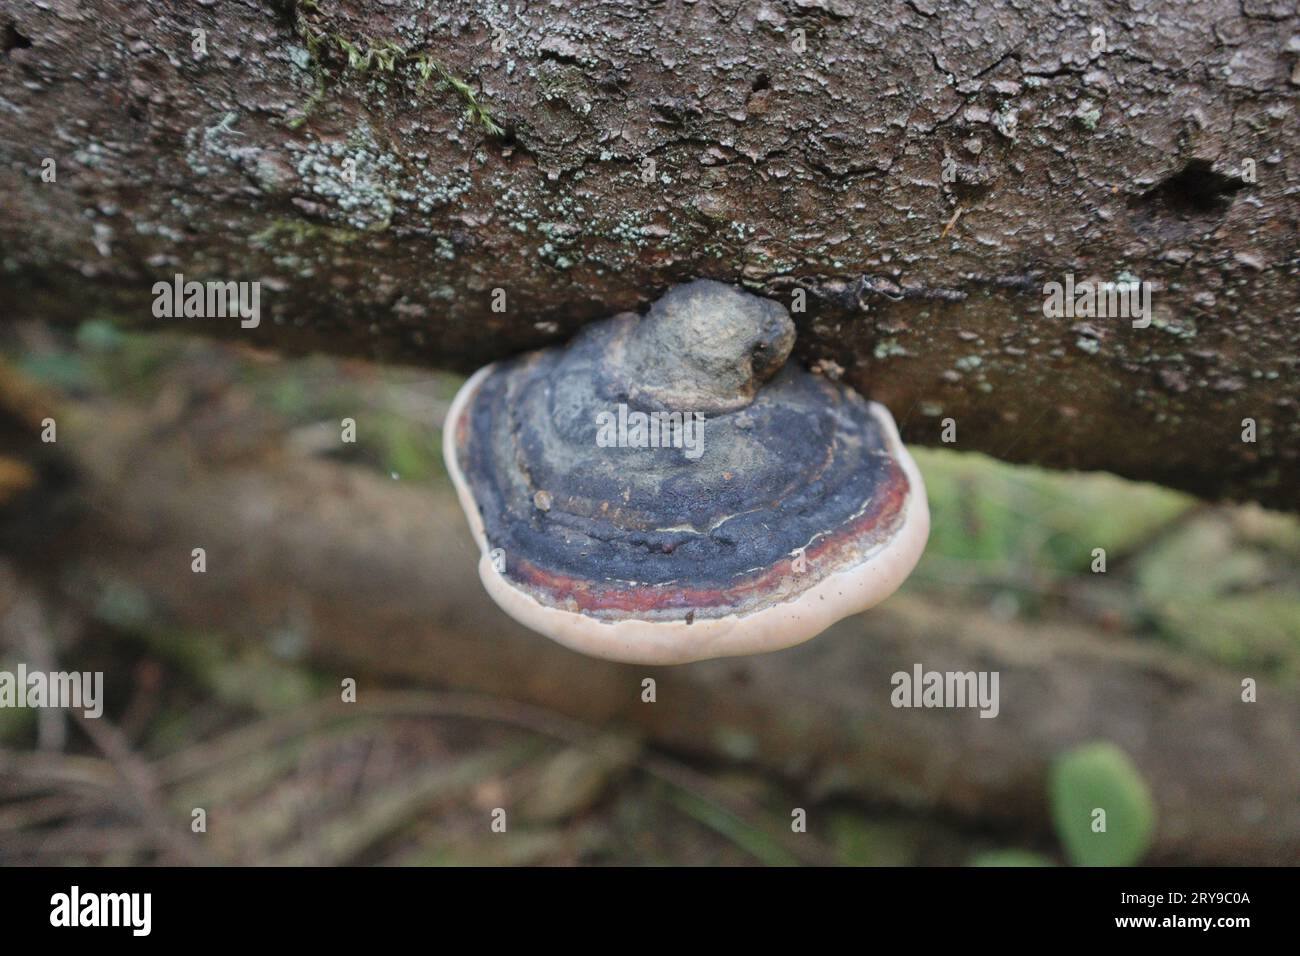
{"x":412,"y":776}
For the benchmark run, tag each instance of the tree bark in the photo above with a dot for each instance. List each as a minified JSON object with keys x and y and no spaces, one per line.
{"x":919,"y":169}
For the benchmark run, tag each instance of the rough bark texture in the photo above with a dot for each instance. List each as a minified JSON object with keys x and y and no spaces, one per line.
{"x":377,"y":579}
{"x":822,"y":169}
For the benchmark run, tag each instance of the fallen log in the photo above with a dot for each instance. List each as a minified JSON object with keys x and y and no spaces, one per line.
{"x":447,"y":184}
{"x":376,"y":579}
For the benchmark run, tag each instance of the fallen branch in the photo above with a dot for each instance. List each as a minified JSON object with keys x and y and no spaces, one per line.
{"x":376,"y":580}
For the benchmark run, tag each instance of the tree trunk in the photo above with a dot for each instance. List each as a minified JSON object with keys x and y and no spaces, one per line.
{"x":919,"y":169}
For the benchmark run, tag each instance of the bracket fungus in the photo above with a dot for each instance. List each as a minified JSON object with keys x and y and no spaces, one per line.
{"x":668,"y":489}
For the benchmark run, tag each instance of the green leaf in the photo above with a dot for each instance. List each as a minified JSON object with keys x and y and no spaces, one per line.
{"x":1100,"y":777}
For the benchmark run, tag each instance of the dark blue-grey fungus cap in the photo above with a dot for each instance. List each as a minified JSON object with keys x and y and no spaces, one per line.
{"x":667,"y":488}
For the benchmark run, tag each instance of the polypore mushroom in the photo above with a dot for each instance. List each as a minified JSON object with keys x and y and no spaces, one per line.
{"x":667,"y":489}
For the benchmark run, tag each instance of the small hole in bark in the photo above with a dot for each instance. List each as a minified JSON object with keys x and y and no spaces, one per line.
{"x":1196,"y":188}
{"x":762,"y":83}
{"x":11,"y":39}
{"x":969,"y":193}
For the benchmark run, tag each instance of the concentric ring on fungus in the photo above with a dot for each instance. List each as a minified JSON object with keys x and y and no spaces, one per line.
{"x":667,"y":489}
